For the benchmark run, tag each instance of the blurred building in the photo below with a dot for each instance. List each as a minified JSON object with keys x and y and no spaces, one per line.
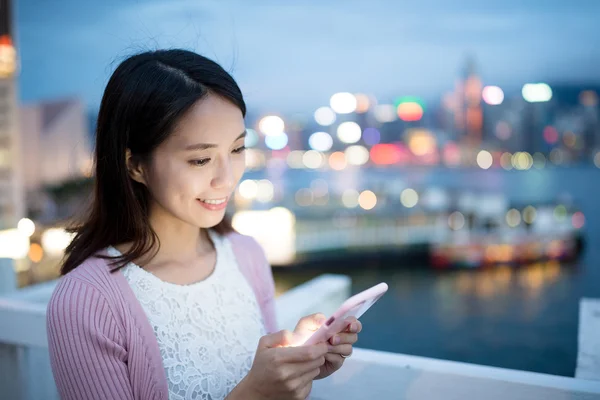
{"x":11,"y":191}
{"x":468,"y":115}
{"x":55,"y":146}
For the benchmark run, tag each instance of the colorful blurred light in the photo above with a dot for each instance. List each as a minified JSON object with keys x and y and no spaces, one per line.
{"x":560,"y":212}
{"x":410,"y":111}
{"x":367,"y":200}
{"x":570,"y":139}
{"x":271,"y":125}
{"x":485,"y":159}
{"x":343,"y":103}
{"x":276,"y":142}
{"x":265,"y":191}
{"x":421,"y":142}
{"x":385,"y":113}
{"x":26,"y":227}
{"x":506,"y":161}
{"x":325,"y":116}
{"x":371,"y":136}
{"x":357,"y":155}
{"x":451,"y":154}
{"x":385,"y":154}
{"x":313,"y":159}
{"x":578,"y":220}
{"x":492,"y":95}
{"x":337,"y":161}
{"x":529,"y":214}
{"x":349,"y":132}
{"x":36,"y":253}
{"x":350,"y":198}
{"x":320,"y":141}
{"x":409,"y":198}
{"x":550,"y":134}
{"x":248,"y":189}
{"x":294,"y":159}
{"x":513,"y":218}
{"x":362,"y":103}
{"x":588,"y":98}
{"x":539,"y":161}
{"x":536,"y":92}
{"x":456,"y":221}
{"x":304,"y":197}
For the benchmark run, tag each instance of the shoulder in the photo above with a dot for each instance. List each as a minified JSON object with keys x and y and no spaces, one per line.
{"x":86,"y":286}
{"x":247,"y":245}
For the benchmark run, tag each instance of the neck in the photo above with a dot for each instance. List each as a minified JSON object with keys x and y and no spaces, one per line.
{"x":178,"y":240}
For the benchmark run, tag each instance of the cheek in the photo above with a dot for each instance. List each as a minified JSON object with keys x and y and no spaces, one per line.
{"x":239,"y":167}
{"x":174,"y":182}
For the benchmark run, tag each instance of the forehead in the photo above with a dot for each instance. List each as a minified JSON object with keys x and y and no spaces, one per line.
{"x":211,"y":119}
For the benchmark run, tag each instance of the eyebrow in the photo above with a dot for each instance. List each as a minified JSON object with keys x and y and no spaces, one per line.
{"x":204,"y":146}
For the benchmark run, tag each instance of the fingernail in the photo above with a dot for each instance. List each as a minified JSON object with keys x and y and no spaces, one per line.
{"x":353,"y":327}
{"x":336,"y":340}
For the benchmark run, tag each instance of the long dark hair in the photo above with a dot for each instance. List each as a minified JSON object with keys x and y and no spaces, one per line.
{"x":145,"y":97}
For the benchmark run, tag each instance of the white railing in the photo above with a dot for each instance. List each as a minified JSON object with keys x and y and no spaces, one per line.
{"x":25,"y":369}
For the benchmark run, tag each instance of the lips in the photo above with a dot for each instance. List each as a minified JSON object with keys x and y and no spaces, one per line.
{"x":214,"y":204}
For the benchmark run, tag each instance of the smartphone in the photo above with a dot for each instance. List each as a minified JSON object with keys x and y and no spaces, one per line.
{"x":355,"y":306}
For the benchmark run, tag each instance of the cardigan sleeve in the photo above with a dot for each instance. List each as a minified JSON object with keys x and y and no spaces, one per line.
{"x":255,"y":266}
{"x":88,"y":358}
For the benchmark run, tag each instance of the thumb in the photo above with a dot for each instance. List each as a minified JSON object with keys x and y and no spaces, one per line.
{"x":310,"y":323}
{"x":283,"y":338}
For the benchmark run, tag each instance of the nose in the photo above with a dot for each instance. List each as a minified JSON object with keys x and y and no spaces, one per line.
{"x":223,"y":178}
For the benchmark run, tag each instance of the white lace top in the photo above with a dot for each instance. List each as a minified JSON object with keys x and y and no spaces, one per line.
{"x":207,"y":331}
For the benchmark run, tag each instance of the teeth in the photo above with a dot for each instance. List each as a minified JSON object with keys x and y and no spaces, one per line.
{"x":219,"y":201}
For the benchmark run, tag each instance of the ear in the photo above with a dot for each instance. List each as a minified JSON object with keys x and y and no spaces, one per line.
{"x":135,"y":168}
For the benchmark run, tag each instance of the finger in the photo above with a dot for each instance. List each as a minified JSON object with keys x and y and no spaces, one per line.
{"x":301,"y":353}
{"x":310,"y":322}
{"x":304,"y":382}
{"x":300,"y":369}
{"x":341,"y":350}
{"x":352,"y":325}
{"x":343,"y":337}
{"x":334,"y":360}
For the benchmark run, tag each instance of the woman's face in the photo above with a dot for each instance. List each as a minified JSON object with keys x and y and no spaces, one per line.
{"x":194,"y":172}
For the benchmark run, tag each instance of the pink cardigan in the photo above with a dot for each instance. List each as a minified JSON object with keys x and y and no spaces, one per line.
{"x":101,"y":343}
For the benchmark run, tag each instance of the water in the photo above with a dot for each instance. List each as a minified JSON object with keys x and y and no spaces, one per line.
{"x":524,"y":319}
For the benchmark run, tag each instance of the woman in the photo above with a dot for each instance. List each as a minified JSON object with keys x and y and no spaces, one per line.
{"x":160,"y":298}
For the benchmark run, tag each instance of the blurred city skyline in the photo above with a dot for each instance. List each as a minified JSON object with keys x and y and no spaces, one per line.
{"x":293,"y":57}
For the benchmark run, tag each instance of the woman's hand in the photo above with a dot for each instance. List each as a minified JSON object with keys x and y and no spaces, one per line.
{"x":338,"y":347}
{"x":279,"y":371}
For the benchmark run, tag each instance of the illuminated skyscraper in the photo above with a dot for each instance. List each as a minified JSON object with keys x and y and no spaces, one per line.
{"x":11,"y":189}
{"x":468,"y":114}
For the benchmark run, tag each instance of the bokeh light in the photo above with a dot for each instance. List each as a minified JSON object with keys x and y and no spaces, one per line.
{"x":362,"y":103}
{"x":484,"y":159}
{"x":385,"y":113}
{"x":248,"y":189}
{"x":304,"y":197}
{"x":294,"y":159}
{"x":357,"y":155}
{"x":337,"y":161}
{"x":550,"y":134}
{"x":506,"y":161}
{"x":410,"y":111}
{"x":371,"y":136}
{"x":343,"y":103}
{"x":350,"y":198}
{"x":276,"y":142}
{"x":513,"y":218}
{"x":320,"y":141}
{"x":578,"y":220}
{"x":421,"y":142}
{"x":36,"y":253}
{"x":503,"y":130}
{"x":325,"y":116}
{"x":529,"y":214}
{"x":536,"y":92}
{"x":385,"y":154}
{"x":271,"y":125}
{"x":367,"y":200}
{"x":456,"y":221}
{"x":349,"y":132}
{"x":26,"y":227}
{"x":409,"y":198}
{"x":539,"y":161}
{"x":492,"y":95}
{"x":266,"y":191}
{"x":560,"y":212}
{"x":313,"y":159}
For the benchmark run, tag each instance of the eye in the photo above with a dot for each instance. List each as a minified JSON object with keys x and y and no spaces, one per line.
{"x":239,"y":150}
{"x":199,"y":163}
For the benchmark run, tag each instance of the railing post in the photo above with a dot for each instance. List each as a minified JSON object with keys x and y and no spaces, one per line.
{"x":8,"y":277}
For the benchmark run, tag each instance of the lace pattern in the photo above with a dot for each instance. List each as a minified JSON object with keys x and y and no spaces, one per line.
{"x":207,"y":331}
